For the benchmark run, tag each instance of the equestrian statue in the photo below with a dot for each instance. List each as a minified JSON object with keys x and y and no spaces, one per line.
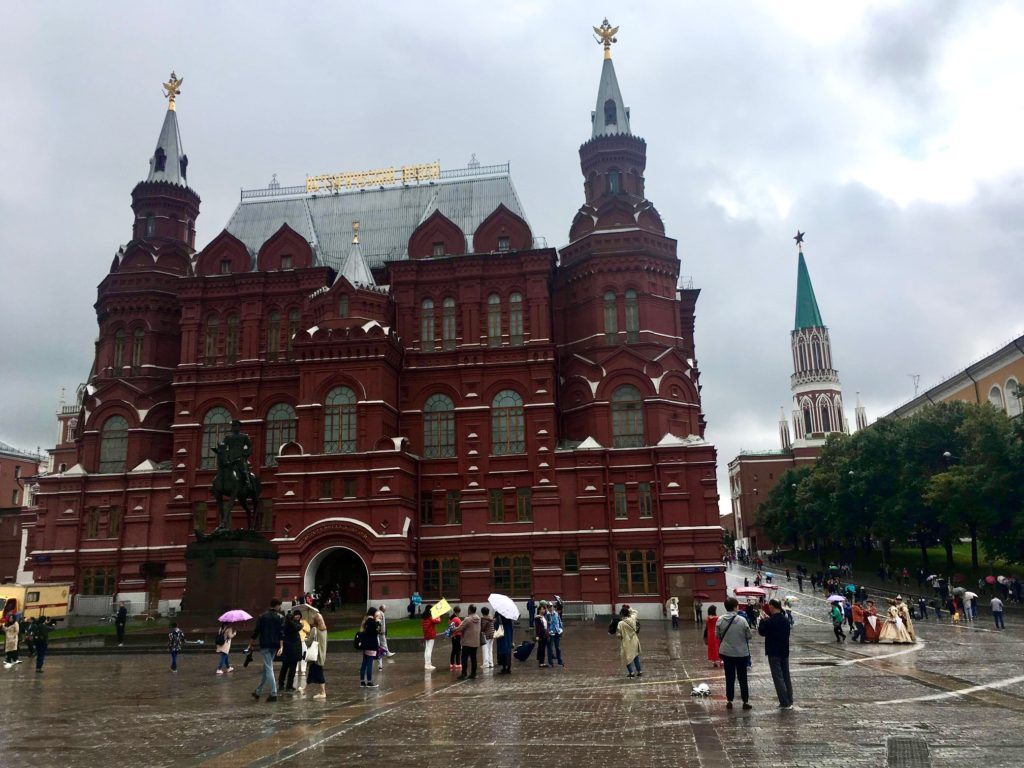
{"x":234,"y":482}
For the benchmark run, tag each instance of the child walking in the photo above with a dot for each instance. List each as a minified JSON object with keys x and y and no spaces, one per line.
{"x":175,"y":639}
{"x":455,"y":661}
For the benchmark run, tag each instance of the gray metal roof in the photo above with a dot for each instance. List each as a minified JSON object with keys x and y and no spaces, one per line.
{"x":387,"y":216}
{"x":170,"y":142}
{"x":609,"y":90}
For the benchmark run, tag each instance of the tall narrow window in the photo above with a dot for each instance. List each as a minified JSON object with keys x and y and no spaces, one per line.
{"x":216,"y":424}
{"x":503,"y":242}
{"x":438,"y":427}
{"x":113,"y":445}
{"x":210,"y":348}
{"x":118,"y":362}
{"x":571,"y":562}
{"x":448,"y":324}
{"x":225,"y":266}
{"x":621,"y":510}
{"x":440,"y":577}
{"x":802,"y":354}
{"x":231,"y":339}
{"x":138,"y":337}
{"x":1013,"y":404}
{"x":494,"y":320}
{"x":437,"y":249}
{"x":114,"y":523}
{"x":454,"y":507}
{"x":646,"y":508}
{"x":340,"y":421}
{"x":610,"y":116}
{"x":816,"y":353}
{"x":92,"y":523}
{"x":614,"y":182}
{"x":611,"y":318}
{"x":826,"y":418}
{"x":627,"y":417}
{"x":507,"y":423}
{"x":427,"y":325}
{"x":280,"y":429}
{"x":515,"y":319}
{"x":496,"y":505}
{"x":343,"y":306}
{"x":273,"y":335}
{"x":294,"y":318}
{"x":513,"y":575}
{"x":808,"y":427}
{"x":632,"y":317}
{"x":150,"y":225}
{"x":286,"y":262}
{"x":524,"y":505}
{"x":426,"y":508}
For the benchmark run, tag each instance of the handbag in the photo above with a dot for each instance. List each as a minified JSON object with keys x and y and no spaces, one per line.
{"x":499,"y":632}
{"x":312,"y":649}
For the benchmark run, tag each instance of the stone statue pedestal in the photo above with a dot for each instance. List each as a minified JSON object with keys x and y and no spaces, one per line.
{"x":225,"y":571}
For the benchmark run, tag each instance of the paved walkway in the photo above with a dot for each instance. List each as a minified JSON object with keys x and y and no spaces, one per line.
{"x":961,"y":690}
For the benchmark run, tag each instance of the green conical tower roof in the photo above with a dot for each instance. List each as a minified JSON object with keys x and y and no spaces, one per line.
{"x":807,"y":313}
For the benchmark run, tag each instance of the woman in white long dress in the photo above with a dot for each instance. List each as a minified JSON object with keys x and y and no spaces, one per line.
{"x":893,"y":629}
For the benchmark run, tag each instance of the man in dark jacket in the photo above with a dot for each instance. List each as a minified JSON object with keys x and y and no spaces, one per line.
{"x":269,"y":633}
{"x":121,"y":622}
{"x":774,"y":628}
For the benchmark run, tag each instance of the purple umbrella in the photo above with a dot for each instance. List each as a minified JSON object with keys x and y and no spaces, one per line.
{"x":836,"y":599}
{"x":232,"y":617}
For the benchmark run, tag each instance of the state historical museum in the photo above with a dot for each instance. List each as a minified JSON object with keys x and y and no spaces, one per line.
{"x":438,"y":401}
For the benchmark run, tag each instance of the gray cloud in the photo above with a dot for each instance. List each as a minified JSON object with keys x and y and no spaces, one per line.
{"x":753,"y":130}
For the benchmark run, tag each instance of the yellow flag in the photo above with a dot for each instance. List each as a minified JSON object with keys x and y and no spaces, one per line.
{"x":439,"y":608}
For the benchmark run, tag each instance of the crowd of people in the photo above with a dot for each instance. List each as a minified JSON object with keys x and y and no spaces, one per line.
{"x":33,"y":632}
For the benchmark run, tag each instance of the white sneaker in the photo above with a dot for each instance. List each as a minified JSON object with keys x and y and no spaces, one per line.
{"x":429,"y":666}
{"x":220,"y":671}
{"x":7,"y":665}
{"x":389,"y":654}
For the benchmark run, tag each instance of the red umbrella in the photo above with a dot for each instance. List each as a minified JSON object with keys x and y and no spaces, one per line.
{"x":701,"y":596}
{"x":990,"y":579}
{"x":749,"y":592}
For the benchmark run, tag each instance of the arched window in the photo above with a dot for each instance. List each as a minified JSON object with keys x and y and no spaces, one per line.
{"x":427,"y":325}
{"x":627,"y":417}
{"x":816,"y":352}
{"x":113,"y":445}
{"x":995,"y":397}
{"x":340,"y":421}
{"x":448,"y":324}
{"x":210,"y":347}
{"x":507,"y":423}
{"x":610,"y":116}
{"x":438,"y":427}
{"x":1013,"y":404}
{"x":826,"y":416}
{"x":231,"y":339}
{"x":494,"y":320}
{"x":118,"y":362}
{"x":632,"y":317}
{"x":280,"y":429}
{"x":515,"y":319}
{"x":216,"y":424}
{"x":150,"y":223}
{"x":611,"y":318}
{"x":802,"y":354}
{"x":294,"y":318}
{"x":808,"y":426}
{"x":137,"y":338}
{"x":343,"y":306}
{"x":273,"y":335}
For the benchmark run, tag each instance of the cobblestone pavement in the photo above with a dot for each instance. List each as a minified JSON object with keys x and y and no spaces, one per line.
{"x":961,"y":690}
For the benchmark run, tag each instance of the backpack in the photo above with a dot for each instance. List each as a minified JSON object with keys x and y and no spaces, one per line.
{"x":614,"y":625}
{"x":357,"y":641}
{"x":221,"y":637}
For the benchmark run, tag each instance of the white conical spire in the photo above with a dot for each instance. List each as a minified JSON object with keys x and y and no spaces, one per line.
{"x":169,"y":162}
{"x":354,"y":267}
{"x":611,"y":115}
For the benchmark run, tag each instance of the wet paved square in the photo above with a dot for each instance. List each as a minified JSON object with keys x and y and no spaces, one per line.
{"x":961,"y":690}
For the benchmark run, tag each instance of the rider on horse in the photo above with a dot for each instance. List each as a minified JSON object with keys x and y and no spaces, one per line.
{"x":237,"y":448}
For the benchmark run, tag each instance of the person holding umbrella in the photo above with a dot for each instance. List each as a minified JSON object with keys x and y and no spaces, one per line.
{"x":836,"y":614}
{"x":505,"y":613}
{"x":224,"y":636}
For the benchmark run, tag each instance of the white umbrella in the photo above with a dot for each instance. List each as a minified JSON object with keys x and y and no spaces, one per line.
{"x":970,"y":596}
{"x":309,"y":613}
{"x":836,"y":599}
{"x":504,"y":605}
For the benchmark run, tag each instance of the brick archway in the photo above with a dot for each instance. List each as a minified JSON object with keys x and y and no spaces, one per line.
{"x":342,"y":566}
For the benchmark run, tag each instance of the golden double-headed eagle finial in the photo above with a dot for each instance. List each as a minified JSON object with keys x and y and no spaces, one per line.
{"x":605,"y":35}
{"x":173,"y":88}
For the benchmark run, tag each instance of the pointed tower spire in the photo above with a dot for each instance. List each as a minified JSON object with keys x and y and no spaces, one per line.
{"x":807,"y":313}
{"x":169,"y":161}
{"x":860,"y":415}
{"x":354,"y":268}
{"x":611,"y":115}
{"x":784,"y":438}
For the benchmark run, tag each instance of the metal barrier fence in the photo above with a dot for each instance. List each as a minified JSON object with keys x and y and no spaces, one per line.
{"x":577,"y":609}
{"x":93,"y":605}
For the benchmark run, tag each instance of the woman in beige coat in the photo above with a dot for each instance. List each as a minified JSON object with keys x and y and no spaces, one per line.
{"x":11,"y":643}
{"x":628,"y":631}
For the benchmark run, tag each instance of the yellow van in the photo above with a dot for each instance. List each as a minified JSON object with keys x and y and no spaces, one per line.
{"x":25,"y":600}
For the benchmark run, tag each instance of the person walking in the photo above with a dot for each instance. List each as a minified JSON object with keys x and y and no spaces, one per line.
{"x":487,"y":637}
{"x":470,"y":643}
{"x":698,"y":612}
{"x":858,"y":623}
{"x":292,"y":653}
{"x":41,"y":632}
{"x":175,"y":640}
{"x":369,"y":631}
{"x":382,"y":640}
{"x":541,"y":634}
{"x":997,"y":612}
{"x":455,"y":659}
{"x":555,"y":629}
{"x":11,"y":636}
{"x":503,"y":640}
{"x":224,"y":637}
{"x":531,"y":610}
{"x":836,"y":614}
{"x":734,"y":647}
{"x":120,"y":622}
{"x":800,"y":580}
{"x":317,"y":639}
{"x":628,"y":632}
{"x":710,"y":638}
{"x":775,"y":629}
{"x":429,"y":625}
{"x":269,"y":633}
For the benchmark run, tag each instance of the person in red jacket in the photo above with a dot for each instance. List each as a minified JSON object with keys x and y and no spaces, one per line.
{"x":429,"y":635}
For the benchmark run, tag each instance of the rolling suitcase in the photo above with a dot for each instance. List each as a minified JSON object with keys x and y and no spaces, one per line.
{"x":524,"y":650}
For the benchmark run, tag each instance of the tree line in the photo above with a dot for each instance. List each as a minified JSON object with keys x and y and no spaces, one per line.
{"x":950,"y":471}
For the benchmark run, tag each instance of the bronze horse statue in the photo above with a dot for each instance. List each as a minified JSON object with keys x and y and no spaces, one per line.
{"x":229,"y":486}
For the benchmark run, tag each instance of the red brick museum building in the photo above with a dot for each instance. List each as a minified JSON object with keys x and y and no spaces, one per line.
{"x":437,"y":400}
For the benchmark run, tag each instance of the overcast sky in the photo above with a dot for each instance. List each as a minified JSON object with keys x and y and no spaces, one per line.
{"x":890,"y":131}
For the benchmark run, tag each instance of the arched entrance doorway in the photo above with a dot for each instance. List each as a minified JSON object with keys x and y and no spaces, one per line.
{"x":342,"y":569}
